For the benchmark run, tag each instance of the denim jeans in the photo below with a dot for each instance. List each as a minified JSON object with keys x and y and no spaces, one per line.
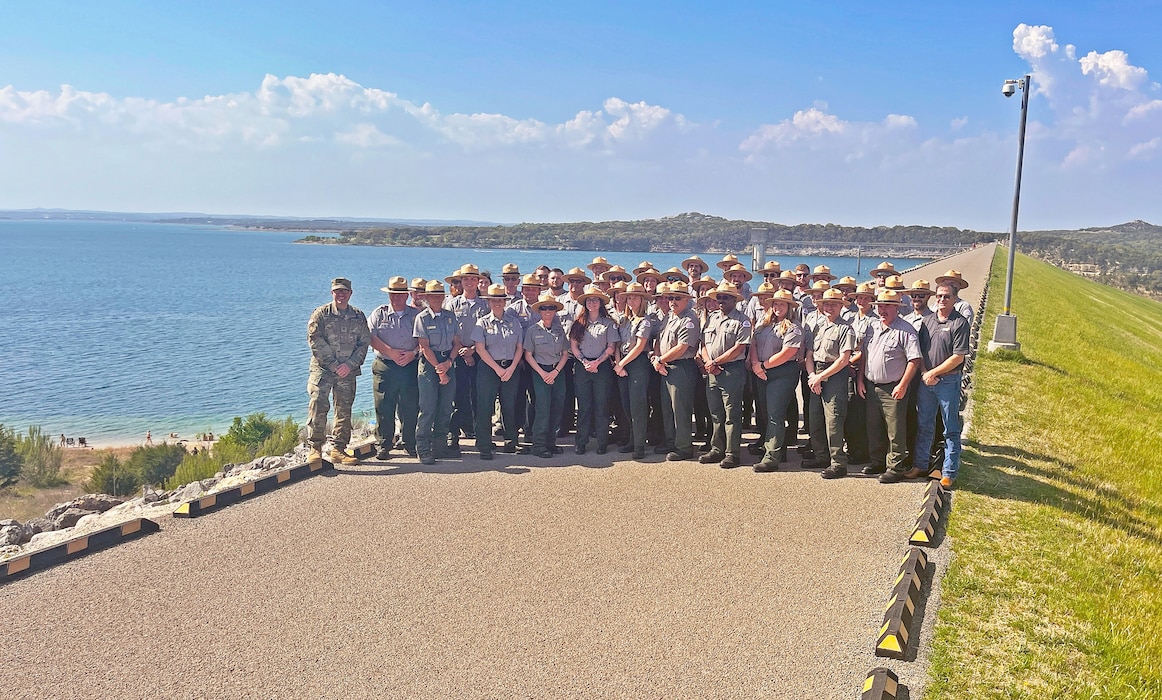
{"x":945,"y":396}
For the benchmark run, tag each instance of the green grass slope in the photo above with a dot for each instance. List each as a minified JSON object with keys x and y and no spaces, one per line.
{"x":1055,"y":590}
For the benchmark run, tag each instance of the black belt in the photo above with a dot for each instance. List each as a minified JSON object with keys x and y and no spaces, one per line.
{"x":820,"y":366}
{"x":547,"y":368}
{"x":442,"y":355}
{"x":728,"y":364}
{"x":504,"y":363}
{"x":591,"y":359}
{"x":883,"y":383}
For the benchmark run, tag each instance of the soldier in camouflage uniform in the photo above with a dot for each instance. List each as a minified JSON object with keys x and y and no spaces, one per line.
{"x":339,"y":338}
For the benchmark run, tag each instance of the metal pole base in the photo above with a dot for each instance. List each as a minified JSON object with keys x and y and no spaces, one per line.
{"x":1005,"y":334}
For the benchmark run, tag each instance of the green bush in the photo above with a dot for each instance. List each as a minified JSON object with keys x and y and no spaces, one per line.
{"x":285,"y":438}
{"x":195,"y":468}
{"x":250,"y":437}
{"x":41,"y":458}
{"x":113,"y":477}
{"x":10,"y":460}
{"x":249,"y":432}
{"x":154,"y":464}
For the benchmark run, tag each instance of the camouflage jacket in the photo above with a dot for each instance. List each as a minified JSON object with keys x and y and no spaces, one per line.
{"x":338,"y":337}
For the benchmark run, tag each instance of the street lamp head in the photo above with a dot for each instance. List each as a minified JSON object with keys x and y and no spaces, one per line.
{"x":1009,"y":88}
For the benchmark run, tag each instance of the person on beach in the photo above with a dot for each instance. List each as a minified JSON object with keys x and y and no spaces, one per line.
{"x":546,"y":348}
{"x":338,"y":336}
{"x":437,"y":332}
{"x":944,"y":343}
{"x":725,"y":340}
{"x":775,"y":349}
{"x":498,"y":341}
{"x":592,"y":338}
{"x":395,"y":378}
{"x":891,"y":351}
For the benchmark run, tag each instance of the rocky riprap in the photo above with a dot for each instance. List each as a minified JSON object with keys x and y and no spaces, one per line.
{"x":93,"y":512}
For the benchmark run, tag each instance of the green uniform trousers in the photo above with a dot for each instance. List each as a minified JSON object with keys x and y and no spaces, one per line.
{"x":397,"y":391}
{"x":828,"y":414}
{"x":435,"y":416}
{"x":724,"y":393}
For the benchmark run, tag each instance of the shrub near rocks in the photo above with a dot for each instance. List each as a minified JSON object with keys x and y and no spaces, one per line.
{"x":10,"y":461}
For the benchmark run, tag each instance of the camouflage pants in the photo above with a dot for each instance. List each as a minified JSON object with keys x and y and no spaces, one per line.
{"x":320,"y":386}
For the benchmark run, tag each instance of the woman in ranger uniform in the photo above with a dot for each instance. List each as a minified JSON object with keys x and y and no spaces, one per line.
{"x":774,"y":361}
{"x":436,"y":330}
{"x":633,"y":367}
{"x":592,"y":338}
{"x":498,"y":346}
{"x":546,"y":348}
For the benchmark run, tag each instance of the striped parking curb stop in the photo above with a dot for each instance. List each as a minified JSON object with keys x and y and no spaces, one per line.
{"x":76,"y":547}
{"x":892,"y":641}
{"x":928,"y":516}
{"x":881,"y":684}
{"x":364,"y":451}
{"x":230,"y":496}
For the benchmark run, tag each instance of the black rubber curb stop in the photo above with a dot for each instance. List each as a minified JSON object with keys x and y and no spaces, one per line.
{"x":929,"y":516}
{"x":881,"y":684}
{"x":76,"y":547}
{"x":230,"y":496}
{"x":893,"y":637}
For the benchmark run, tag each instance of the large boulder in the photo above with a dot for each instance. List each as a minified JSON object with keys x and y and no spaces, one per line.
{"x":11,"y":533}
{"x":36,"y":526}
{"x":70,"y":517}
{"x":91,"y":502}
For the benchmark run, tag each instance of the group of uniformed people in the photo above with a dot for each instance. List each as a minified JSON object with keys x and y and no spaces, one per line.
{"x":657,"y":358}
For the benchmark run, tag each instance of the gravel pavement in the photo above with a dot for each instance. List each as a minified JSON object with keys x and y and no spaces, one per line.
{"x":579,"y":577}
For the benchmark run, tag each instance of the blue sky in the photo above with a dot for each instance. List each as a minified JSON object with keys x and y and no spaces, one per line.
{"x":504,"y":111}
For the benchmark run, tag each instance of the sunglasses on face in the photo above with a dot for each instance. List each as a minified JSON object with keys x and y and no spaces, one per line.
{"x":723,"y":297}
{"x":944,"y":296}
{"x":771,"y":274}
{"x":673,"y":297}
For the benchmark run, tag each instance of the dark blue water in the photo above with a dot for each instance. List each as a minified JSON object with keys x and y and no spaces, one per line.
{"x":112,"y":329}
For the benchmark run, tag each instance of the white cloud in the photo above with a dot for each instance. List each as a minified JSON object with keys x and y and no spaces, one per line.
{"x":1113,"y":69}
{"x":958,"y":123}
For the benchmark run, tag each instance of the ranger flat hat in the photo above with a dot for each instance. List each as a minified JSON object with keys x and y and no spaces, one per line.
{"x":417,"y":285}
{"x":780,"y":297}
{"x":888,"y":297}
{"x":675,"y":275}
{"x":738,"y":268}
{"x":847,"y":284}
{"x":510,"y":269}
{"x":635,"y":290}
{"x":495,"y":291}
{"x":547,"y":299}
{"x":920,"y":288}
{"x":703,"y":266}
{"x":772,"y":268}
{"x":725,"y":288}
{"x":617,"y":287}
{"x":865,"y":289}
{"x":894,"y":282}
{"x":884,"y":269}
{"x":677,"y":288}
{"x":706,"y":299}
{"x":765,"y":289}
{"x":469,"y":269}
{"x":788,"y":277}
{"x":662,"y":289}
{"x":616,"y":274}
{"x":592,"y":292}
{"x":434,"y":287}
{"x":577,"y":274}
{"x":703,"y":283}
{"x":952,"y":277}
{"x":340,"y":283}
{"x":453,"y":278}
{"x":831,"y":295}
{"x":822,"y":272}
{"x":650,"y":272}
{"x":531,"y":280}
{"x":646,"y":265}
{"x":598,"y":262}
{"x":396,"y":285}
{"x":727,"y":261}
{"x":821,"y":286}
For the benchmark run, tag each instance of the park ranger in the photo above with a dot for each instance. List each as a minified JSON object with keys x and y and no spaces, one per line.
{"x":832,"y":343}
{"x":338,"y":336}
{"x":497,"y":337}
{"x":674,"y":361}
{"x":437,"y":332}
{"x":725,"y":340}
{"x":394,"y":371}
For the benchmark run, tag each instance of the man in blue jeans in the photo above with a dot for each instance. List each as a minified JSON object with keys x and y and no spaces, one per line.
{"x":944,"y":339}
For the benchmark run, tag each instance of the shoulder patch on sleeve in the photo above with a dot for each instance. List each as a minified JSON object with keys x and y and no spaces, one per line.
{"x":645,"y":323}
{"x":689,"y":323}
{"x":746,"y":324}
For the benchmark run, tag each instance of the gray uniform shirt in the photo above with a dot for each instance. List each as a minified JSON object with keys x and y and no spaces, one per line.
{"x":830,"y":340}
{"x":439,"y":327}
{"x":888,"y":350}
{"x":467,"y":312}
{"x":769,"y":339}
{"x":546,"y":344}
{"x":598,"y":335}
{"x":499,"y":335}
{"x":631,"y":330}
{"x":679,"y":329}
{"x":394,"y":329}
{"x":724,"y":331}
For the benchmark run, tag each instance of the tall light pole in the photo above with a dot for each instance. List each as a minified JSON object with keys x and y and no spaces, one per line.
{"x":1005,"y":331}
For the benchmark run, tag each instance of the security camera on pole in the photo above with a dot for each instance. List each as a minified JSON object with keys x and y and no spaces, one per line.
{"x":1005,"y":332}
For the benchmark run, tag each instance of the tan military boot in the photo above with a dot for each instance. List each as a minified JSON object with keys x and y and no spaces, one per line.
{"x":315,"y":456}
{"x":340,"y":457}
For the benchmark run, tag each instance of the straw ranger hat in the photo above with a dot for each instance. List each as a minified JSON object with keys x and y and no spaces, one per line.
{"x":738,"y":268}
{"x":598,"y":262}
{"x":531,"y":280}
{"x":831,"y":295}
{"x":766,"y":289}
{"x":675,"y":275}
{"x":703,"y":266}
{"x":469,"y":269}
{"x":952,"y":277}
{"x":592,"y":292}
{"x":782,"y":296}
{"x":788,"y":277}
{"x":895,"y":282}
{"x":772,"y":268}
{"x":651,"y":273}
{"x":847,"y":284}
{"x":616,"y":274}
{"x":547,"y":300}
{"x":821,"y":286}
{"x":920,"y":289}
{"x":417,"y":285}
{"x":884,"y":269}
{"x":453,"y":278}
{"x":865,"y":289}
{"x":888,"y":297}
{"x":633,"y":289}
{"x":510,"y":269}
{"x":396,"y":285}
{"x":434,"y":287}
{"x":646,"y":265}
{"x":725,"y":288}
{"x":495,"y":291}
{"x":703,"y":283}
{"x":822,"y":272}
{"x":675,"y":288}
{"x":577,"y":275}
{"x":729,"y":260}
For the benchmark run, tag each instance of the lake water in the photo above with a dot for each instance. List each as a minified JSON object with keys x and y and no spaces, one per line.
{"x":113,"y":329}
